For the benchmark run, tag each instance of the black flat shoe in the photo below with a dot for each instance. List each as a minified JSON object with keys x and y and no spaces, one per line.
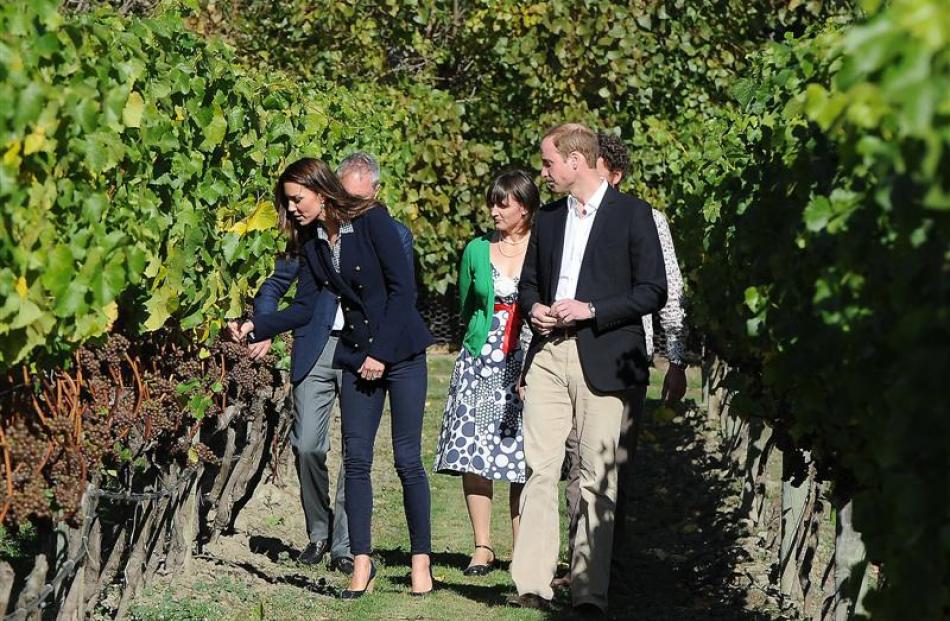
{"x":354,"y":594}
{"x":481,"y":570}
{"x":313,"y":553}
{"x":431,"y":588}
{"x":342,"y":564}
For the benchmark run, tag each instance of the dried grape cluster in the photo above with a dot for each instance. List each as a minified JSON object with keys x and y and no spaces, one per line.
{"x":248,"y":375}
{"x":145,"y":399}
{"x":205,"y":454}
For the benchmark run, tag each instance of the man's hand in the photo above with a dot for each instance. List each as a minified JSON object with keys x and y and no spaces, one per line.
{"x":568,"y":312}
{"x":259,"y":349}
{"x":238,"y":333}
{"x":674,"y":384}
{"x":541,"y":319}
{"x":372,"y":369}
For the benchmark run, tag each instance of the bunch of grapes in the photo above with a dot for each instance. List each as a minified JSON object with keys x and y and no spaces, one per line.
{"x":26,"y":444}
{"x":246,"y":375}
{"x":89,"y":362}
{"x":189,"y":369}
{"x":68,"y":482}
{"x":114,"y":351}
{"x":97,"y":438}
{"x":100,"y":391}
{"x":126,"y":390}
{"x":205,"y":454}
{"x":27,"y":450}
{"x":30,"y":501}
{"x":163,"y":414}
{"x":60,"y":427}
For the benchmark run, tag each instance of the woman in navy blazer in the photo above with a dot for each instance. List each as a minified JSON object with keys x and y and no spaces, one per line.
{"x":351,"y":248}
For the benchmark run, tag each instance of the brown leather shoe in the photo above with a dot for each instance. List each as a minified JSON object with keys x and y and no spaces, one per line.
{"x":564,"y":582}
{"x":529,"y":600}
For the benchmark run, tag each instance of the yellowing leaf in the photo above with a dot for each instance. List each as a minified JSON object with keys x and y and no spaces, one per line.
{"x":12,"y":155}
{"x":134,"y":107}
{"x":34,"y":142}
{"x":21,"y":287}
{"x":158,"y":311}
{"x":263,"y":217}
{"x":111,"y":311}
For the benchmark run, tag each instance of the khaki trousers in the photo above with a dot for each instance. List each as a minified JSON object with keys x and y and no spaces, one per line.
{"x":558,"y":399}
{"x":629,"y":429}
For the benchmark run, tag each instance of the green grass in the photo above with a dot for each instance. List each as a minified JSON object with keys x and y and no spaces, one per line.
{"x":457,"y":597}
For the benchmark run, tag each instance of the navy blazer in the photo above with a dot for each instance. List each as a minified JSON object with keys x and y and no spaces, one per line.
{"x":311,"y":338}
{"x":622,"y":274}
{"x":375,"y":286}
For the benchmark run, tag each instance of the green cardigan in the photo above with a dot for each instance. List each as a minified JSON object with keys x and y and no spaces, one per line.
{"x":476,"y":293}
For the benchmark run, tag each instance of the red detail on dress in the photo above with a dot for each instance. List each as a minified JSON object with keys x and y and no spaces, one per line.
{"x":512,"y":328}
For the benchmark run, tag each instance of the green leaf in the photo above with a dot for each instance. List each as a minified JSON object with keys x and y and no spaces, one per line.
{"x":59,"y":270}
{"x":72,"y":301}
{"x":215,"y":130}
{"x":818,"y":213}
{"x":109,"y":281}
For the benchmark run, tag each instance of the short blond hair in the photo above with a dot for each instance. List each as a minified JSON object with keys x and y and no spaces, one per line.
{"x":570,"y":137}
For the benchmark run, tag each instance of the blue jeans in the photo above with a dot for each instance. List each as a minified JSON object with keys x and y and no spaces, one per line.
{"x":361,"y":403}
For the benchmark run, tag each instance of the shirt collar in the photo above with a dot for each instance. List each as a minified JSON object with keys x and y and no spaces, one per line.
{"x":345,"y":227}
{"x":591,"y":206}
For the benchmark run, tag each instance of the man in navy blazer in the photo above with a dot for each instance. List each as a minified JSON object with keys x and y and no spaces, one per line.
{"x":593,"y":269}
{"x":317,"y":384}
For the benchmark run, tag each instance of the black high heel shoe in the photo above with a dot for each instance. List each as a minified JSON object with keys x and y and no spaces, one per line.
{"x":353,"y":594}
{"x":431,"y":588}
{"x":481,"y":570}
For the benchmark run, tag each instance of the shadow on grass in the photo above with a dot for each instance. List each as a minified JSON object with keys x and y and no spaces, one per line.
{"x":681,"y":556}
{"x":681,"y":553}
{"x":397,"y":556}
{"x":272,"y":548}
{"x":317,"y":586}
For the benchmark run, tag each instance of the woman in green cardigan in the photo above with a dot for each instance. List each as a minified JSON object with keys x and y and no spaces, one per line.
{"x":481,"y":437}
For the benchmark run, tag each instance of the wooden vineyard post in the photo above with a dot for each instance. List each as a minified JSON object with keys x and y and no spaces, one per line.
{"x":850,"y":566}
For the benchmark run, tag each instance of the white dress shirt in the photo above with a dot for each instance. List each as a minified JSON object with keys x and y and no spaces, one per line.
{"x":580,"y":220}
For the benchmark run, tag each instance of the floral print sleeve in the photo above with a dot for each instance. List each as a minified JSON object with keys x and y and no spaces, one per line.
{"x":672,"y":316}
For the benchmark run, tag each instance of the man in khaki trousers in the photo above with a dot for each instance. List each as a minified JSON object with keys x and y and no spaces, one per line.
{"x":593,"y":269}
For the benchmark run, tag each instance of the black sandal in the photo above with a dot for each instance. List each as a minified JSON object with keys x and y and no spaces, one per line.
{"x":481,"y":570}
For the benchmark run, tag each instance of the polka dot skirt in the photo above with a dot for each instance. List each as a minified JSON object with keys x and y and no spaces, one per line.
{"x":481,"y":427}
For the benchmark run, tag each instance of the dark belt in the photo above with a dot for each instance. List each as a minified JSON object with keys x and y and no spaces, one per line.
{"x":561,"y":334}
{"x":336,"y":333}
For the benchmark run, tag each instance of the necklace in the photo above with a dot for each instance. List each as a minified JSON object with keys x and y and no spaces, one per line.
{"x":523,"y":240}
{"x":501,"y":251}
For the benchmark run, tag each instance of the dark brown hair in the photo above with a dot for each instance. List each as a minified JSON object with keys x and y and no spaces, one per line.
{"x":316,"y":176}
{"x":518,"y":184}
{"x":615,"y":154}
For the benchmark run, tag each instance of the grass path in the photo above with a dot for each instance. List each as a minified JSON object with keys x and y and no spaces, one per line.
{"x":685,"y":558}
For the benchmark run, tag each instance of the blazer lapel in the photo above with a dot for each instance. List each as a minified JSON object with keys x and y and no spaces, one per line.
{"x":318,"y":252}
{"x":349,"y":256}
{"x":601,"y":224}
{"x":557,"y":248}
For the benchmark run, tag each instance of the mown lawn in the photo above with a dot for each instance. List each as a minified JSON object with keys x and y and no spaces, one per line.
{"x":289,"y":591}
